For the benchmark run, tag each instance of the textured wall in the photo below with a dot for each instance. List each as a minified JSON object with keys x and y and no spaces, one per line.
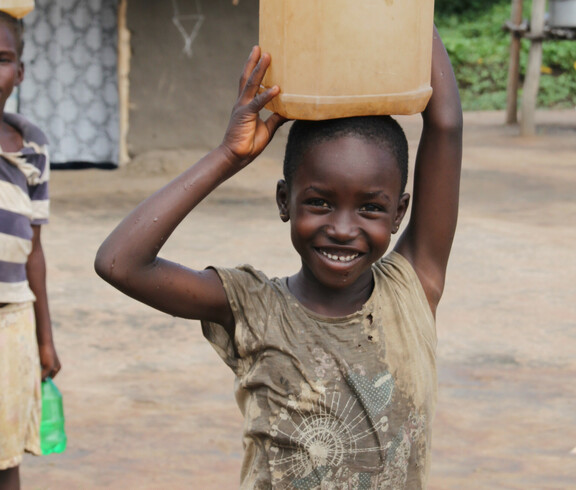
{"x":182,"y":100}
{"x":70,"y":85}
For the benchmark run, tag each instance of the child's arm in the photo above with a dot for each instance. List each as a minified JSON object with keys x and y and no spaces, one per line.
{"x":36,"y":273}
{"x":128,"y":257}
{"x":427,"y":240}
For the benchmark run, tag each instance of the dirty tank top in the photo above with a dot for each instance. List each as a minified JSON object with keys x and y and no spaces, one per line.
{"x":332,"y":402}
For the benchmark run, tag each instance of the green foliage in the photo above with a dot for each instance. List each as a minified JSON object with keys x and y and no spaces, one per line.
{"x":480,"y":50}
{"x":460,"y":7}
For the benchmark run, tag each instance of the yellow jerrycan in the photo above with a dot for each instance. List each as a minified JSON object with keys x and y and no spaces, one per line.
{"x":17,"y":8}
{"x":340,"y":58}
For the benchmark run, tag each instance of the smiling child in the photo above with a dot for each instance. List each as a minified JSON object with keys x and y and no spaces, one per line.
{"x":335,"y":364}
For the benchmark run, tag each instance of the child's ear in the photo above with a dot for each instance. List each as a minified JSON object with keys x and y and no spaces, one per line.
{"x":401,"y":211}
{"x":19,"y":74}
{"x":282,"y":197}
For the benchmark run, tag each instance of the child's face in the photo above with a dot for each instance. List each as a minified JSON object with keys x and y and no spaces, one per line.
{"x":344,"y":204}
{"x":11,"y":68}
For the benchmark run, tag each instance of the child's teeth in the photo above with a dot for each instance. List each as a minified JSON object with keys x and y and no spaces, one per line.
{"x":340,"y":259}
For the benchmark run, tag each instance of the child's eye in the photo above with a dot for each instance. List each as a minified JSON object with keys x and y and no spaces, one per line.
{"x":371,"y":208}
{"x":6,"y":57}
{"x":317,"y":202}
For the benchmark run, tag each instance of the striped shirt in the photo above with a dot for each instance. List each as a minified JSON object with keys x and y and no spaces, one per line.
{"x":23,"y":202}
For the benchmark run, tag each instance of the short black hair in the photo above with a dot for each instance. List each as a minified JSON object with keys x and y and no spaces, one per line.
{"x":17,"y":28}
{"x":383,"y":131}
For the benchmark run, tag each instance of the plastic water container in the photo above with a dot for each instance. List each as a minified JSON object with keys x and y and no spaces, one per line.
{"x":342,"y":58}
{"x":562,"y":13}
{"x":52,"y":434}
{"x":17,"y":8}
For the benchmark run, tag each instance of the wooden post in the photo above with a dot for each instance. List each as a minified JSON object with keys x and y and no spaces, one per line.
{"x":123,"y":80}
{"x":532,"y":81}
{"x":514,"y":67}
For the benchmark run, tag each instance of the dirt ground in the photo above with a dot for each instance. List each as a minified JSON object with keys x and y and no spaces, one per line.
{"x":149,"y":405}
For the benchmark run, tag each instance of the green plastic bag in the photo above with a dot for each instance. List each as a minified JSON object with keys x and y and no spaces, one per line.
{"x":52,"y":433}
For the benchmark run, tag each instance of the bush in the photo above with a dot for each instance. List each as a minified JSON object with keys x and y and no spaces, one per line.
{"x":462,"y":7}
{"x":480,"y":50}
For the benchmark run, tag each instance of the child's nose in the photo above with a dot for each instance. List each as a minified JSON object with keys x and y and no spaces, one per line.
{"x":343,"y":226}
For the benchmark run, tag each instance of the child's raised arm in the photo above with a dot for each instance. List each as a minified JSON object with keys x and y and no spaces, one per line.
{"x":427,"y":240}
{"x":128,"y":257}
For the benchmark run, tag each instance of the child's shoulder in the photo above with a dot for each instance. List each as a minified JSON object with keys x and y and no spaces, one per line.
{"x":245,"y":275}
{"x":245,"y":284}
{"x":29,"y":131}
{"x":395,"y":263}
{"x":397,"y":270}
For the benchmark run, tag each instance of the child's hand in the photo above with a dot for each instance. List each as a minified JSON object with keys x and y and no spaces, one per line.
{"x":247,"y":134}
{"x":49,"y":362}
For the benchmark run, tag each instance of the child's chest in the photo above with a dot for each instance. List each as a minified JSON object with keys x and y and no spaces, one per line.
{"x":10,"y":139}
{"x":9,"y":172}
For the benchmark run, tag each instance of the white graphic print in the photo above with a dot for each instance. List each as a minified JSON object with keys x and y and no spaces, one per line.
{"x":188,"y":25}
{"x":327,"y":437}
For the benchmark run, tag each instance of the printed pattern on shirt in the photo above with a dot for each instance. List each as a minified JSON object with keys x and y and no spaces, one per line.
{"x":331,"y":440}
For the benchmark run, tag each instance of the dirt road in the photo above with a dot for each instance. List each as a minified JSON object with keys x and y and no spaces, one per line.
{"x":149,"y":405}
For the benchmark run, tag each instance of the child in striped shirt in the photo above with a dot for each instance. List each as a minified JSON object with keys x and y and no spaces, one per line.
{"x":27,"y":352}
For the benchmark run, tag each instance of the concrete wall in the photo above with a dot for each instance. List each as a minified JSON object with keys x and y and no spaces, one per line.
{"x":176,"y":101}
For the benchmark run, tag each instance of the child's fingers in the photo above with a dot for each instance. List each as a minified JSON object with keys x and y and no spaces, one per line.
{"x":251,"y":63}
{"x":274,"y":122}
{"x":261,"y":99}
{"x":252,"y":84}
{"x":257,"y":102}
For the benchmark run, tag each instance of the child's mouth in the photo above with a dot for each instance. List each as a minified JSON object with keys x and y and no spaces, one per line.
{"x":339,"y":258}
